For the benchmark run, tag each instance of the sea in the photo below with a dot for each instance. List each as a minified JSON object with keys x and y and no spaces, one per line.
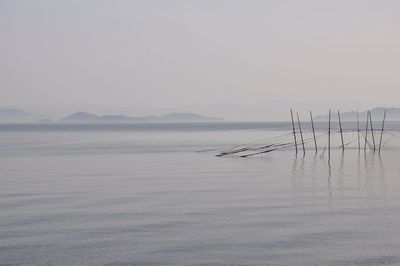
{"x":157,"y":194}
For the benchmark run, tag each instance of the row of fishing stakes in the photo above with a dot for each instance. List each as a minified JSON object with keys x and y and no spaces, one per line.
{"x":368,"y":123}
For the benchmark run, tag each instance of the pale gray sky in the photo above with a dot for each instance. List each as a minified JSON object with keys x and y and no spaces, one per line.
{"x":183,"y":53}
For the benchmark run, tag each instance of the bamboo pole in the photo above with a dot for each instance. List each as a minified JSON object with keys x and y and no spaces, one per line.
{"x":294,"y":130}
{"x":383,"y":125}
{"x":372,"y":131}
{"x":313,"y":131}
{"x":358,"y":131}
{"x":341,"y":130}
{"x":366,"y":133}
{"x":301,"y":134}
{"x":329,"y":136}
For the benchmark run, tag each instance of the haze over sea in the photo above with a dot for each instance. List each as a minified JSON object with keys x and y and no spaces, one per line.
{"x":143,"y":195}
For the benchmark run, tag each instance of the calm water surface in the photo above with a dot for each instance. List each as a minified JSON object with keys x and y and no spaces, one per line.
{"x":143,"y":195}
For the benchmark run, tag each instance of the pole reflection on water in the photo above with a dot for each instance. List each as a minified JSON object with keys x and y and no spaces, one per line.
{"x":343,"y":179}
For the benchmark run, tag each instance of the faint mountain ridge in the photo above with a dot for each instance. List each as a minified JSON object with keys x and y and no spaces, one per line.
{"x":83,"y":117}
{"x":10,"y":115}
{"x":392,"y":113}
{"x":186,"y":117}
{"x":17,"y":112}
{"x":80,"y":116}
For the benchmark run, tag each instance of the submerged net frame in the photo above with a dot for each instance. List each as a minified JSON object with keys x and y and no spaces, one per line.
{"x":291,"y":139}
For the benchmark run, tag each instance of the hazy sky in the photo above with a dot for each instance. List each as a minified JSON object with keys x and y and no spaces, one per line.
{"x":182,"y":53}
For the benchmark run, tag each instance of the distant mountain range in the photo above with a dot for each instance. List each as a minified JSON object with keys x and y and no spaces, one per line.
{"x":376,"y":113}
{"x":82,"y":117}
{"x":20,"y":116}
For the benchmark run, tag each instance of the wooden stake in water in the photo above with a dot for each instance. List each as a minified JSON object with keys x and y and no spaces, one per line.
{"x":329,"y":136}
{"x":366,"y":133}
{"x":358,"y":131}
{"x":294,"y":130}
{"x":301,"y":134}
{"x":313,"y":131}
{"x":372,"y":131}
{"x":341,"y":130}
{"x":383,"y":125}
